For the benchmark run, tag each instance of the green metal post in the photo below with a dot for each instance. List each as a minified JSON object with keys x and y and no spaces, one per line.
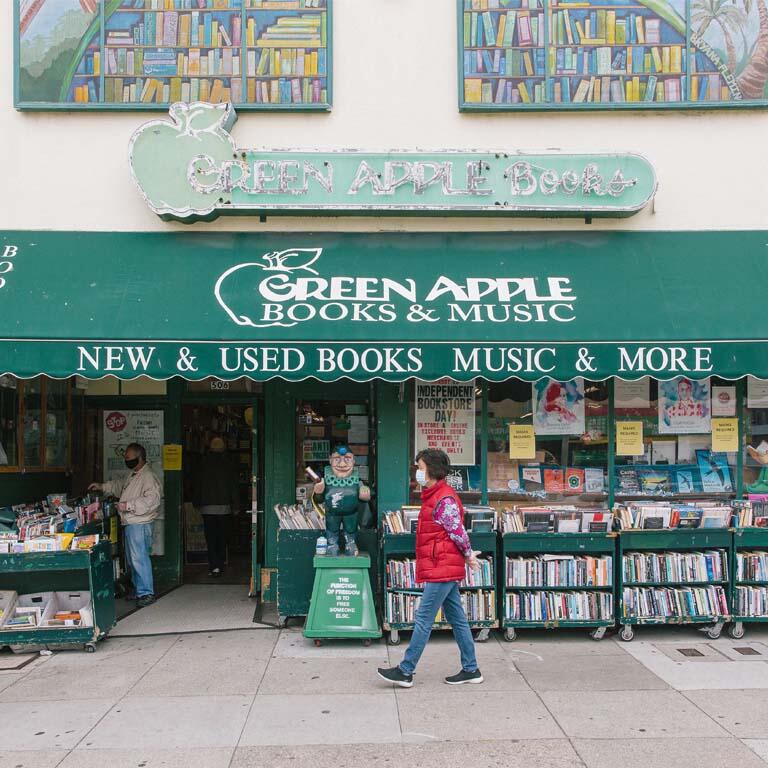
{"x":611,"y":441}
{"x":484,"y":443}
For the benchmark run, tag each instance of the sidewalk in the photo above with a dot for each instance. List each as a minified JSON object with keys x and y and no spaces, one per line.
{"x":264,"y":697}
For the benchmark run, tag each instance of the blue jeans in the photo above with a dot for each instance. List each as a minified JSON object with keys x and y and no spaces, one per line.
{"x":138,"y":546}
{"x":436,"y":594}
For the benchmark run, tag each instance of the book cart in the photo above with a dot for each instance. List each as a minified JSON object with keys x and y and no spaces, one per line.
{"x":749,"y":581}
{"x":675,"y":541}
{"x":540,"y":544}
{"x":397,"y":546}
{"x":79,"y":571}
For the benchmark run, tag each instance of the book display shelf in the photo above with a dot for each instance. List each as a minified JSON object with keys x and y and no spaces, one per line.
{"x":401,"y":593}
{"x":556,"y":580}
{"x":749,"y":578}
{"x":561,"y":54}
{"x":80,"y":580}
{"x":148,"y":54}
{"x":674,"y":576}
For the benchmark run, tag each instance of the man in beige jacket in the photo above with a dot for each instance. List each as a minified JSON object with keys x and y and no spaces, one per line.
{"x":140,"y":499}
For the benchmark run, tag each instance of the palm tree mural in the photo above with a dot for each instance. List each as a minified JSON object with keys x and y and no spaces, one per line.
{"x":754,"y":76}
{"x":728,"y":17}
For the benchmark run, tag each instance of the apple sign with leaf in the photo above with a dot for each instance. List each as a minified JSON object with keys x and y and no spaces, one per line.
{"x":229,"y":290}
{"x":165,"y":158}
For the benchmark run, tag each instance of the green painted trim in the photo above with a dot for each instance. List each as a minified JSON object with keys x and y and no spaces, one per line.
{"x":611,"y":441}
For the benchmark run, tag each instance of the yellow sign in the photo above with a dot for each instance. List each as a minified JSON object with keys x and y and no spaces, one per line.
{"x":172,"y":458}
{"x":725,"y":435}
{"x":522,"y":441}
{"x":629,"y":438}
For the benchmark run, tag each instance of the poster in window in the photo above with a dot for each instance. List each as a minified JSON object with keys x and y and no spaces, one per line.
{"x":445,"y":419}
{"x":119,"y":429}
{"x":684,"y":406}
{"x":558,"y":407}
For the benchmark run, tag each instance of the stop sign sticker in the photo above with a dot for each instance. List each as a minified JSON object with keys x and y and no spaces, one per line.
{"x":116,"y":421}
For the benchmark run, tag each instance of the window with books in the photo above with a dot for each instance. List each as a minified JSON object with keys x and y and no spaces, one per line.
{"x":547,"y":440}
{"x":258,"y":54}
{"x":43,"y":408}
{"x":672,"y":438}
{"x":610,"y":54}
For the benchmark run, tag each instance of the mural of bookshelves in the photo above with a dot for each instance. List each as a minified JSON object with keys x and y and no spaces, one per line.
{"x":147,"y":54}
{"x":563,"y":54}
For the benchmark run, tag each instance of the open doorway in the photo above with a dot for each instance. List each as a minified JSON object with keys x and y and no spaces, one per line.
{"x":230,"y":428}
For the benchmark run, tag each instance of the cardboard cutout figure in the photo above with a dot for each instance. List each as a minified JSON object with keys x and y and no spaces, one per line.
{"x":340,"y":492}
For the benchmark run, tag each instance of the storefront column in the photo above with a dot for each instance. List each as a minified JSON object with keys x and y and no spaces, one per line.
{"x":279,"y":469}
{"x":393,"y":453}
{"x":168,"y":568}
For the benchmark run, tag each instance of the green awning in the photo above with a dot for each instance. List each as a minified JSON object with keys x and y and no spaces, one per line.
{"x":392,"y":306}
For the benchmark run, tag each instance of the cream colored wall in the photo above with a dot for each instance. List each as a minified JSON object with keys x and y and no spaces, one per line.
{"x":394,"y":86}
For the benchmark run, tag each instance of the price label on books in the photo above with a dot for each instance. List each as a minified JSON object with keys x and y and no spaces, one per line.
{"x":203,"y":173}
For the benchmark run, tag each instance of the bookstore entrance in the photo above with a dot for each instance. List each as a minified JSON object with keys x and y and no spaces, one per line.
{"x":222,"y":540}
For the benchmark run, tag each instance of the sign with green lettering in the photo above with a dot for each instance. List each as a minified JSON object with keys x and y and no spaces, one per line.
{"x":190,"y":169}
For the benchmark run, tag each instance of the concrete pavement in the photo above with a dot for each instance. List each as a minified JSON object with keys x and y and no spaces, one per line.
{"x":266,"y":697}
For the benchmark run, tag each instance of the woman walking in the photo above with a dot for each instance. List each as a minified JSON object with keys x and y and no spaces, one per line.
{"x":443,"y":551}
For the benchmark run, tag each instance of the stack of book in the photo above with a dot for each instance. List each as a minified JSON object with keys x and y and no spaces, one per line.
{"x":655,"y":567}
{"x":682,"y":603}
{"x":298,"y":517}
{"x":559,"y":606}
{"x":479,"y":606}
{"x":750,"y":514}
{"x":752,"y":566}
{"x":750,"y":601}
{"x":559,"y":571}
{"x":401,"y":574}
{"x":695,"y":514}
{"x":559,"y":518}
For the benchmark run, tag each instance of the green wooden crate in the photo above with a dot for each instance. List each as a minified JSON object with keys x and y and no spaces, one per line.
{"x":533,"y":544}
{"x":87,"y":570}
{"x":674,"y":540}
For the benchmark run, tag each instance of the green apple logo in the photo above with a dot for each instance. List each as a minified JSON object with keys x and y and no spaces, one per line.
{"x":163,"y":155}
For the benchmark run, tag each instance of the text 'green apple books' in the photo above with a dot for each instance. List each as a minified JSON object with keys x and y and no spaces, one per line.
{"x":162,"y":51}
{"x":590,"y":52}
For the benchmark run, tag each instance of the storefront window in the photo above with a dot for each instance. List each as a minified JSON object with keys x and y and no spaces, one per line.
{"x":44,"y":409}
{"x":33,"y":412}
{"x":9,"y":413}
{"x":56,"y":427}
{"x":325,"y":424}
{"x":756,"y":437}
{"x":567,"y":431}
{"x":664,"y":438}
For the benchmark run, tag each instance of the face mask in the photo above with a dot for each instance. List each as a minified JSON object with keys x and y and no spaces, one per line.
{"x":131,"y":463}
{"x":421,"y":477}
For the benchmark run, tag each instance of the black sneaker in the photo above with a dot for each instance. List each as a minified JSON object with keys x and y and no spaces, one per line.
{"x":396,"y":676}
{"x":475,"y":678}
{"x":145,"y":600}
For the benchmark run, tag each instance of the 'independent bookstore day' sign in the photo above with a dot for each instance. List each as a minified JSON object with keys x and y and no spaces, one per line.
{"x":190,"y":169}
